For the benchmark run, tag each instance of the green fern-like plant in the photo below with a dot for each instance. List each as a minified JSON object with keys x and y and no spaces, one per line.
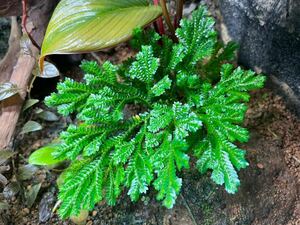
{"x":179,"y":113}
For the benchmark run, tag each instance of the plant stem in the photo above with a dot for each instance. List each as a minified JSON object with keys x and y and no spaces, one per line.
{"x":179,"y":11}
{"x":159,"y":22}
{"x":168,"y":19}
{"x":24,"y":20}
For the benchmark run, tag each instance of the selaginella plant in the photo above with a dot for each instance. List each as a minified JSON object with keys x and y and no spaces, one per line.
{"x":140,"y":123}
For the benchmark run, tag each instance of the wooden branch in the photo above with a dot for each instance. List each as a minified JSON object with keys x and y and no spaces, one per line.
{"x":11,"y":107}
{"x":22,"y":72}
{"x":9,"y":61}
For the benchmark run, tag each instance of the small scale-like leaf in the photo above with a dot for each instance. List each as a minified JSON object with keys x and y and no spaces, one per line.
{"x":31,"y":126}
{"x":8,"y":90}
{"x":3,"y":180}
{"x":26,"y":172}
{"x":29,"y":103}
{"x":48,"y":116}
{"x":31,"y":194}
{"x":11,"y":190}
{"x":5,"y":155}
{"x":49,"y":71}
{"x":160,"y":87}
{"x":91,"y":25}
{"x":38,"y":110}
{"x":4,"y":206}
{"x":44,"y":157}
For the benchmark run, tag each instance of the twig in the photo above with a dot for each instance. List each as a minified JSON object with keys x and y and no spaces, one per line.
{"x":179,"y":11}
{"x":189,"y":210}
{"x":57,"y":204}
{"x":168,"y":19}
{"x":159,"y":22}
{"x":24,"y":21}
{"x":296,"y":159}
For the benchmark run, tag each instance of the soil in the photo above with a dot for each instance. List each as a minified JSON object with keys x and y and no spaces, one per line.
{"x":269,"y":192}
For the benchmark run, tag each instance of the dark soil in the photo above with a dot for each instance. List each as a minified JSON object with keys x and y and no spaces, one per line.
{"x":269,"y":193}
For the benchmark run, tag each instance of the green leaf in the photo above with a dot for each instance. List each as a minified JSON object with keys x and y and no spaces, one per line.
{"x":161,"y":86}
{"x":123,"y":152}
{"x":161,"y":117}
{"x":145,"y":66}
{"x":49,"y":71}
{"x":44,"y":157}
{"x":185,"y":121}
{"x":29,"y":103}
{"x":91,"y":25}
{"x":139,"y":175}
{"x":8,"y":90}
{"x":82,"y":187}
{"x":31,"y":126}
{"x":197,"y":36}
{"x":168,"y":184}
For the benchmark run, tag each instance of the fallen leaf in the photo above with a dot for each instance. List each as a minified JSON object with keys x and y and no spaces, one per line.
{"x":4,"y":206}
{"x":26,"y":172}
{"x":29,"y":103}
{"x":31,"y":126}
{"x":48,"y":116}
{"x":11,"y":190}
{"x":49,"y":71}
{"x":3,"y":180}
{"x":8,"y":90}
{"x":31,"y":194}
{"x":5,"y":155}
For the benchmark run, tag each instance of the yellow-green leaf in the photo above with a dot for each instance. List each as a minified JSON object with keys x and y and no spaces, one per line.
{"x":80,"y":26}
{"x":44,"y":157}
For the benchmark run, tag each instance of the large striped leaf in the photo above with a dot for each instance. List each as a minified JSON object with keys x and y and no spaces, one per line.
{"x":80,"y":26}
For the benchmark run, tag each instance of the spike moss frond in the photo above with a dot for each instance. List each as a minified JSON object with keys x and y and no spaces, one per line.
{"x":112,"y":150}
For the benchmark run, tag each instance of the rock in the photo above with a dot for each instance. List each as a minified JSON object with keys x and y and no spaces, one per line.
{"x":11,"y":190}
{"x":260,"y":165}
{"x":81,"y":218}
{"x":94,"y":213}
{"x":25,"y":211}
{"x":45,"y":207}
{"x":269,"y":36}
{"x":4,"y":36}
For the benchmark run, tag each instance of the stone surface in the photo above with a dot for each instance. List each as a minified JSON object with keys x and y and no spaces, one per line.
{"x":4,"y":36}
{"x":45,"y":207}
{"x":268,"y":32}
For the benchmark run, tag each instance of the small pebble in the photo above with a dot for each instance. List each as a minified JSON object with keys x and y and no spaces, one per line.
{"x":260,"y":166}
{"x":26,"y":211}
{"x":94,"y":213}
{"x":89,"y":223}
